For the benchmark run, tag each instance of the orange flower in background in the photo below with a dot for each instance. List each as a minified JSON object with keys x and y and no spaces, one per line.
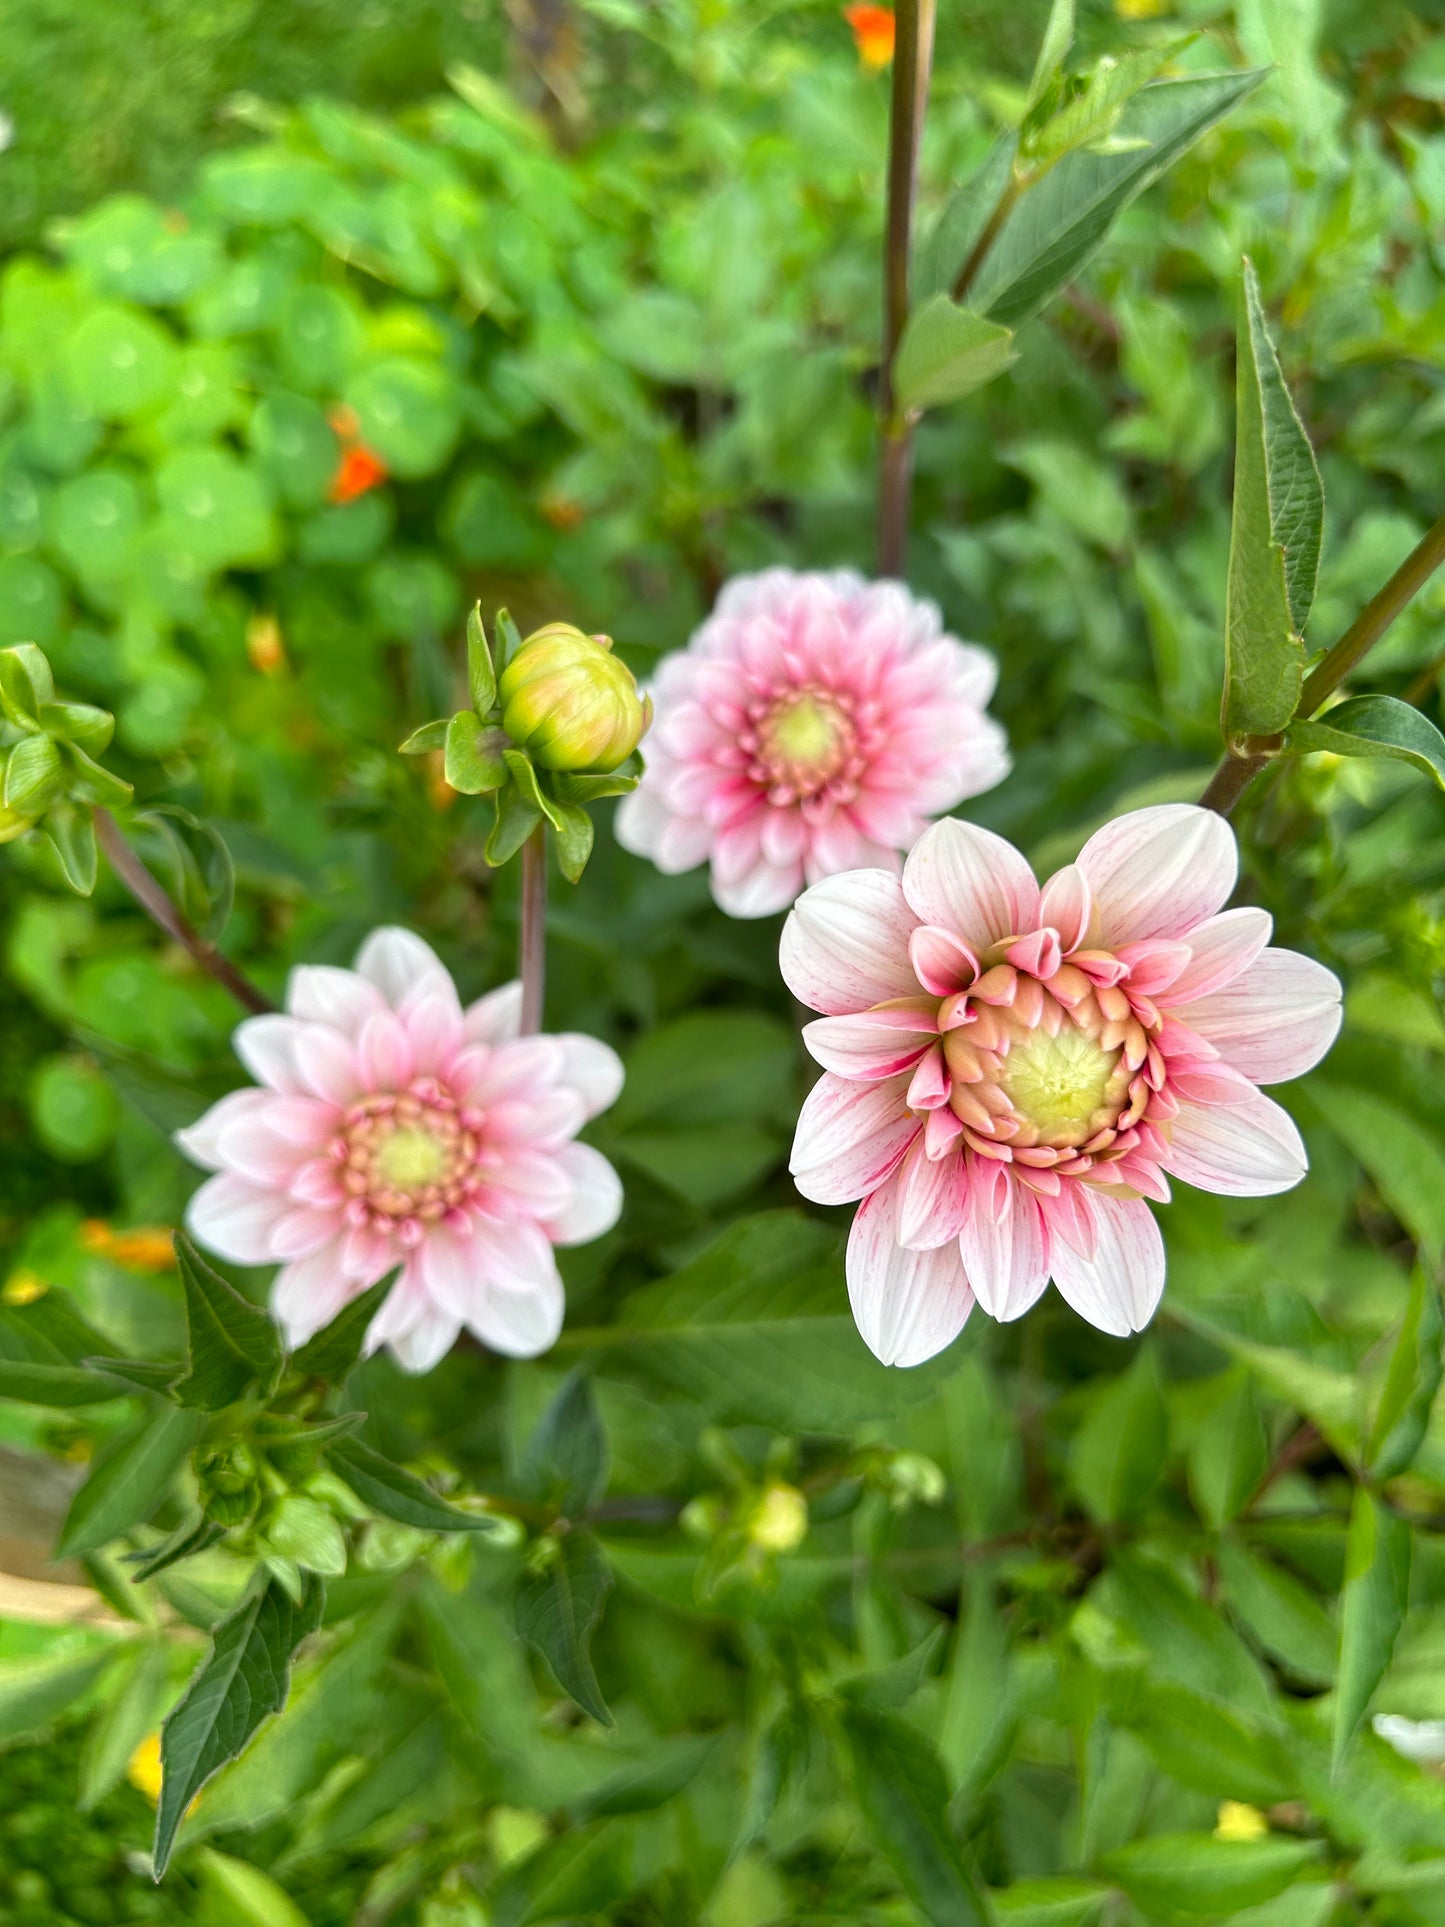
{"x":265,"y":646}
{"x":358,"y":470}
{"x":873,"y":31}
{"x":145,"y":1247}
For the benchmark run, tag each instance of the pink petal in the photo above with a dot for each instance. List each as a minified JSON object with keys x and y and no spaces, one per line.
{"x":434,"y":1031}
{"x":1118,"y":1288}
{"x":941,"y":962}
{"x":250,"y":1147}
{"x":1003,"y":1243}
{"x":1039,"y":954}
{"x":450,"y":1268}
{"x":308,"y":1294}
{"x":547,"y":1120}
{"x":595,"y":1203}
{"x":417,"y":1331}
{"x":398,"y":963}
{"x":328,"y":1065}
{"x":1245,"y":1150}
{"x":1273,"y":1022}
{"x":267,"y":1047}
{"x":486,"y":1077}
{"x":932,"y":1196}
{"x":1220,"y":949}
{"x":516,"y":1257}
{"x":1159,"y":872}
{"x":384,"y":1054}
{"x":520,"y":1324}
{"x":301,"y":1232}
{"x":495,"y":1018}
{"x":1154,"y":965}
{"x":929,"y":1087}
{"x":201,"y":1141}
{"x":322,"y":994}
{"x":758,"y":891}
{"x":849,"y":1138}
{"x":593,"y":1069}
{"x":237,"y":1219}
{"x":908,"y":1304}
{"x":863,"y":1049}
{"x":971,"y":882}
{"x":845,"y":945}
{"x":1065,"y":903}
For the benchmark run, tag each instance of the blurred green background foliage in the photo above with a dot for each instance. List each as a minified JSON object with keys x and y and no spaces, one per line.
{"x":318,"y":324}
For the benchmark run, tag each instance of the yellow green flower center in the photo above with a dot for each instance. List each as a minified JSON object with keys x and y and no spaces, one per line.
{"x":1061,"y":1083}
{"x":411,"y":1158}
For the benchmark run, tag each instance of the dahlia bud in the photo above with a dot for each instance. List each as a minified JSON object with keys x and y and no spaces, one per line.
{"x":569,"y":702}
{"x":778,"y":1521}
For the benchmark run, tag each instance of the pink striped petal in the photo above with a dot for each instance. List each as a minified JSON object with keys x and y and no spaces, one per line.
{"x":1039,"y":953}
{"x":1154,"y":964}
{"x":849,"y":1138}
{"x":201,"y":1141}
{"x":845,"y":945}
{"x":860,"y":1049}
{"x":1245,"y":1150}
{"x":1275,"y":1021}
{"x":384,"y":1054}
{"x":1119,"y":1287}
{"x":322,"y":994}
{"x":1065,"y":904}
{"x":930,"y":1084}
{"x":971,"y":882}
{"x":595,"y":1201}
{"x":1003,"y":1243}
{"x":1159,"y":872}
{"x":932,"y":1196}
{"x":907,"y":1304}
{"x":1220,"y":949}
{"x":236,"y":1218}
{"x":941,"y":962}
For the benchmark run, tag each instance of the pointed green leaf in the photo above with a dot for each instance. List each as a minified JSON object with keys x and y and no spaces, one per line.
{"x":89,"y":728}
{"x":33,"y":1692}
{"x":1372,"y":1611}
{"x":1050,"y":1900}
{"x":33,"y":775}
{"x":242,"y":1681}
{"x":1228,"y":1455}
{"x":1199,"y":1874}
{"x":507,"y":642}
{"x":335,"y":1351}
{"x":1416,"y":1363}
{"x":946,"y":352}
{"x":25,"y":684}
{"x":963,"y":220}
{"x":133,"y":1710}
{"x":558,"y":1610}
{"x":474,"y":755}
{"x":574,"y":839}
{"x":1274,"y":543}
{"x":1280,"y":1613}
{"x":90,"y":782}
{"x":481,"y":675}
{"x":570,"y":787}
{"x":524,"y":776}
{"x":429,"y":737}
{"x":131,"y":1475}
{"x":45,"y":1349}
{"x":400,"y":1495}
{"x":72,"y":836}
{"x":566,"y":1459}
{"x":146,"y":1374}
{"x":231,"y":1344}
{"x":1375,"y":726}
{"x":193,"y":1535}
{"x":515,"y":822}
{"x":1053,"y":49}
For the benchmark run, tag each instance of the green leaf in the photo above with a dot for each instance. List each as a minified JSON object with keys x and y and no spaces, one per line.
{"x":566,"y":1459}
{"x":1279,"y":1612}
{"x":1053,"y":49}
{"x":429,"y":737}
{"x":146,"y":1374}
{"x":44,"y":1355}
{"x":1372,"y":1608}
{"x":1228,"y":1456}
{"x":1091,"y":105}
{"x":1375,"y":726}
{"x":558,"y":1610}
{"x":507,"y":640}
{"x":243,"y":1895}
{"x":400,"y":1495}
{"x":1118,"y":1452}
{"x":194,"y":859}
{"x":1328,"y":1398}
{"x":72,"y":836}
{"x":242,"y":1680}
{"x":575,"y":1877}
{"x":900,"y":1786}
{"x":33,"y":1692}
{"x":335,"y":1352}
{"x":525,"y":777}
{"x":1402,"y":1154}
{"x":25,"y":683}
{"x":962,"y":222}
{"x":473,"y":762}
{"x":1274,"y":542}
{"x":1059,"y":224}
{"x":34,"y":774}
{"x":193,"y":1535}
{"x":231,"y":1344}
{"x":516,"y":820}
{"x":980,"y":1710}
{"x":1052,"y":1900}
{"x":1194,"y":1873}
{"x":307,"y":1533}
{"x":81,"y":724}
{"x":575,"y":836}
{"x":572,"y":786}
{"x":481,"y":676}
{"x":1402,"y":1416}
{"x":90,"y":783}
{"x":130,"y":1477}
{"x":133,"y":1708}
{"x":946,"y":353}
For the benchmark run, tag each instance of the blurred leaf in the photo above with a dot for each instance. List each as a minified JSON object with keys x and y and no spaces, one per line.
{"x":558,"y":1609}
{"x":1281,"y":1613}
{"x":33,"y":775}
{"x":33,"y":1692}
{"x":1401,"y":1153}
{"x":1052,"y":1900}
{"x":72,"y":836}
{"x":1275,"y":533}
{"x":481,"y":675}
{"x":1194,"y":1873}
{"x":242,"y":1681}
{"x":566,"y":1459}
{"x":129,"y":1478}
{"x":516,"y":819}
{"x":1403,"y":1413}
{"x":1053,"y":49}
{"x":398,"y":1494}
{"x":196,"y":865}
{"x":431,"y":736}
{"x":574,"y":839}
{"x":193,"y":1535}
{"x":132,"y":1711}
{"x":249,"y":1896}
{"x":231,"y":1344}
{"x":980,"y":1710}
{"x":1228,"y":1456}
{"x":44,"y":1348}
{"x":901,"y":1789}
{"x":946,"y":353}
{"x":574,"y":1877}
{"x":1375,"y":726}
{"x":1372,"y":1610}
{"x":1118,"y":1452}
{"x":336,"y":1350}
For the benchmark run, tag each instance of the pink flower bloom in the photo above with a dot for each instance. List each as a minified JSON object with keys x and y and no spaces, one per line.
{"x":1010,"y":1072}
{"x":393,"y":1128}
{"x":813,"y":724}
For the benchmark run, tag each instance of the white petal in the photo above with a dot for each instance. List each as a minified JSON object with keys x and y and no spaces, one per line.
{"x":1274,"y":1021}
{"x":397,"y":961}
{"x":327,"y":1064}
{"x":850,"y":1137}
{"x":1159,"y":872}
{"x":762,"y":889}
{"x":845,"y":945}
{"x":1004,"y":1243}
{"x":1221,"y":948}
{"x":1118,"y":1288}
{"x":383,"y":1053}
{"x":309,"y":1293}
{"x":201,"y":1141}
{"x":932,"y":1195}
{"x":592,"y":1068}
{"x":322,"y":994}
{"x":907,"y":1304}
{"x":497,"y":1017}
{"x":971,"y":882}
{"x":236,"y":1218}
{"x":1243,"y":1150}
{"x":267,"y":1047}
{"x":520,"y":1324}
{"x":596,"y":1201}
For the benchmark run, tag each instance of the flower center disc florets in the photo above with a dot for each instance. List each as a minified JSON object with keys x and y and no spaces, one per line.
{"x":805,"y":743}
{"x":408,"y":1159}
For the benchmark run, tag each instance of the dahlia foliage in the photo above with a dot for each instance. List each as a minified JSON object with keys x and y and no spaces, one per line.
{"x":815,"y":723}
{"x":1011,"y":1072}
{"x":392,"y":1129}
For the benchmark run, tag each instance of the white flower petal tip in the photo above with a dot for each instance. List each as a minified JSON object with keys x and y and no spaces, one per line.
{"x":392,"y":1130}
{"x":908,"y":1305}
{"x":814,"y":724}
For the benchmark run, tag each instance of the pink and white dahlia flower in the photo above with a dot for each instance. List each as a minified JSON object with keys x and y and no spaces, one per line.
{"x":391,"y":1127}
{"x":1009,"y":1071}
{"x":815,"y":723}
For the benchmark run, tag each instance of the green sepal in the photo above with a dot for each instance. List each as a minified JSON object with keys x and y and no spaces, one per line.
{"x":26,"y":684}
{"x":508,"y":639}
{"x":516,"y":820}
{"x":92,"y":783}
{"x":79,"y":723}
{"x":481,"y":674}
{"x":575,"y":837}
{"x":525,"y":778}
{"x":474,"y":755}
{"x":72,"y":836}
{"x":34,"y":775}
{"x":429,"y":737}
{"x":194,"y":1535}
{"x":231,"y":1344}
{"x":569,"y":787}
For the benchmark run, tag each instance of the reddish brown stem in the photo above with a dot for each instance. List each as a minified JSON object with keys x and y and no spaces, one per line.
{"x":532,"y":950}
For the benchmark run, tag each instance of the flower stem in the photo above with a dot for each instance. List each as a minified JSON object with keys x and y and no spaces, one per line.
{"x":989,"y":233}
{"x":157,"y":905}
{"x":532,"y":952}
{"x":912,"y":61}
{"x":1239,"y":768}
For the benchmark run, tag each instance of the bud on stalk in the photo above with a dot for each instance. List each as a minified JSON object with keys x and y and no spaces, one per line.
{"x":569,"y":702}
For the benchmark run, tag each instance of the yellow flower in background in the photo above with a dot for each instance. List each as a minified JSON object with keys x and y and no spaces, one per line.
{"x":22,"y":1288}
{"x":1240,"y":1822}
{"x":144,"y":1770}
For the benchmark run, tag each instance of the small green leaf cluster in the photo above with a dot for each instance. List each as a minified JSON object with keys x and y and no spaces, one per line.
{"x":49,"y":775}
{"x":528,"y":786}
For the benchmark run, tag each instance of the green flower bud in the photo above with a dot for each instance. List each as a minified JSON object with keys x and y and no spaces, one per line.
{"x":569,"y":702}
{"x":779,"y":1519}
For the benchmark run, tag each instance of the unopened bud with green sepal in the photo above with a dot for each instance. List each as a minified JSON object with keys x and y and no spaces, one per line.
{"x":571,"y":703}
{"x":49,"y":778}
